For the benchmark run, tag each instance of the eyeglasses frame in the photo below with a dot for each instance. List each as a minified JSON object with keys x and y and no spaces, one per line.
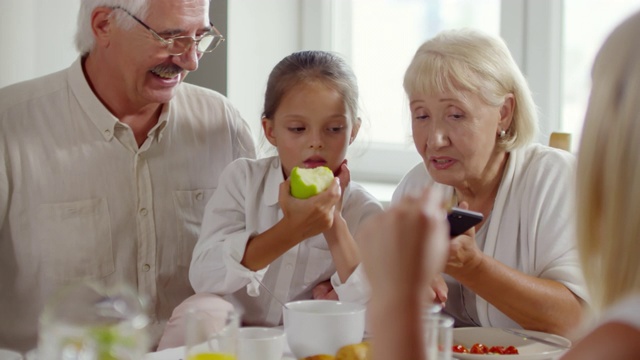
{"x":168,"y":42}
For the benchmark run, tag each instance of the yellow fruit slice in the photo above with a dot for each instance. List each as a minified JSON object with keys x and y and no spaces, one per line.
{"x":320,"y":357}
{"x":360,"y":351}
{"x":306,"y":183}
{"x":212,"y":356}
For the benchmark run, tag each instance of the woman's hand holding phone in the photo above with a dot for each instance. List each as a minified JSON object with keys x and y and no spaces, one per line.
{"x":464,"y":253}
{"x":461,"y":220}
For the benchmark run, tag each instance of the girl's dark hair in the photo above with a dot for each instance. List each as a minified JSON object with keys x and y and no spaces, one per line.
{"x":311,"y":66}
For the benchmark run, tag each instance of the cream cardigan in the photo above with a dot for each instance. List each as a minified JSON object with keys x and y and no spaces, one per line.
{"x":532,"y":226}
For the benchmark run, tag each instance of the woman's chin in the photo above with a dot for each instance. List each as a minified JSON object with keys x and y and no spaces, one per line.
{"x":443,"y":177}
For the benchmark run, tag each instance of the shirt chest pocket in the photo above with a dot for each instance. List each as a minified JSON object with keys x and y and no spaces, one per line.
{"x":75,"y":239}
{"x":319,"y":267}
{"x":189,"y":206}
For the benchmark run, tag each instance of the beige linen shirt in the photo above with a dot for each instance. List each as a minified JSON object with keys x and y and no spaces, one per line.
{"x":80,"y":200}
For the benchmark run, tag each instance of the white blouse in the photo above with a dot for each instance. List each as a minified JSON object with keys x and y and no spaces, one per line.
{"x":532,"y":225}
{"x":246,"y":204}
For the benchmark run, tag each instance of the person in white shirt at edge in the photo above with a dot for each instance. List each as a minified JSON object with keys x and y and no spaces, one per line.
{"x":608,"y":199}
{"x":107,"y":165}
{"x":253,"y":228}
{"x":473,"y":122}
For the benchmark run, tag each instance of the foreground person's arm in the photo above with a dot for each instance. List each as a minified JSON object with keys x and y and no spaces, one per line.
{"x":406,"y":247}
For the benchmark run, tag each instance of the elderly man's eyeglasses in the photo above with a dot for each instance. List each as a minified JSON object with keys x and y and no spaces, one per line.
{"x":178,"y":45}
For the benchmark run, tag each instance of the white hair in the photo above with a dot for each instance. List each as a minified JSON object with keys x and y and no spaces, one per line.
{"x":84,"y":34}
{"x":469,"y":60}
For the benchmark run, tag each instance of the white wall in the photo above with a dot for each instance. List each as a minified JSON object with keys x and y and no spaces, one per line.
{"x":261,"y":33}
{"x":36,"y":38}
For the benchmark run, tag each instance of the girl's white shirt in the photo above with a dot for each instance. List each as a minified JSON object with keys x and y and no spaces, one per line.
{"x":246,"y":204}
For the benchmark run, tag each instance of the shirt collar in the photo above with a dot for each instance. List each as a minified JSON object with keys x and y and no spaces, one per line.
{"x":274,"y":178}
{"x":157,"y":131}
{"x":102,"y":118}
{"x":89,"y":102}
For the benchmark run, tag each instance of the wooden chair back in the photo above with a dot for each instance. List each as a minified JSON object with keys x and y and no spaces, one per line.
{"x":560,"y":140}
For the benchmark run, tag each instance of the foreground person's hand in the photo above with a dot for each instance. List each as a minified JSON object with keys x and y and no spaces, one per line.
{"x":406,"y":246}
{"x":403,"y":250}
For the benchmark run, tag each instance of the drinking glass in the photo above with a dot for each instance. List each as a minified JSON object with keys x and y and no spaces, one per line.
{"x":438,"y":335}
{"x":89,"y":320}
{"x":211,"y":335}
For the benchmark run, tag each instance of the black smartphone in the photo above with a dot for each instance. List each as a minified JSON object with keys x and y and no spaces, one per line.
{"x":461,"y":220}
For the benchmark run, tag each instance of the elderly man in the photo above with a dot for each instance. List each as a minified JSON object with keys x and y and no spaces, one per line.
{"x":105,"y":167}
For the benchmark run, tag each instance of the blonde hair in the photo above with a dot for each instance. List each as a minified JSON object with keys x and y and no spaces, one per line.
{"x":467,"y":60}
{"x":609,"y":170}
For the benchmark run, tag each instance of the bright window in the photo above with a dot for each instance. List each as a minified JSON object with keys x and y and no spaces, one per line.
{"x":381,"y":38}
{"x":587,"y":23}
{"x":385,"y":35}
{"x":553,"y":42}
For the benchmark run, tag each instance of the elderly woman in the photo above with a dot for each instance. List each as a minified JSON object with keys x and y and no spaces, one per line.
{"x":473,"y":122}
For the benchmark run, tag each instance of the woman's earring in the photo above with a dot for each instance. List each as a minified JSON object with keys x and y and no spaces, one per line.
{"x":502,"y":134}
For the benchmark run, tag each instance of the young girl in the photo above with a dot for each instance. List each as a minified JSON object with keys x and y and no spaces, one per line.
{"x":255,"y":234}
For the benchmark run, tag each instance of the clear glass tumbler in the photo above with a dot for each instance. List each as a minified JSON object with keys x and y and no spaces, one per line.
{"x":438,"y":335}
{"x":89,"y":321}
{"x":211,"y":335}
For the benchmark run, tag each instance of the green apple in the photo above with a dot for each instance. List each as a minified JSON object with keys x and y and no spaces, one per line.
{"x":306,"y":183}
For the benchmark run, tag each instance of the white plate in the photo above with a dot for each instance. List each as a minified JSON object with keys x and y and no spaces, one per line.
{"x":527,"y":349}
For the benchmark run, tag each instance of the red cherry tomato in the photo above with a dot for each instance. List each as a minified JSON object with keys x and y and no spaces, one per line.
{"x":497,"y":350}
{"x":511,"y":350}
{"x":479,"y":349}
{"x":459,"y":349}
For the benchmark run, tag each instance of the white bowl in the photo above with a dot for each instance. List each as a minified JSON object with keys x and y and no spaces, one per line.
{"x":316,"y":327}
{"x":260,"y":343}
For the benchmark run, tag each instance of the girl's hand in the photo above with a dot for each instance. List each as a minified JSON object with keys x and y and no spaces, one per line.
{"x":344,"y":176}
{"x":324,"y":291}
{"x":308,"y":217}
{"x":439,"y":291}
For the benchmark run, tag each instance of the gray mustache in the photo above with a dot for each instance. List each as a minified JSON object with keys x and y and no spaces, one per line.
{"x":167,"y":68}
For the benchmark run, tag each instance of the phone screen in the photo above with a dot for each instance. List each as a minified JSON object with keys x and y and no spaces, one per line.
{"x":461,"y":220}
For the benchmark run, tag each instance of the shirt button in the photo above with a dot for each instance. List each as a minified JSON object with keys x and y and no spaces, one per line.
{"x":144,"y":212}
{"x":107,"y":132}
{"x":288,"y":266}
{"x":146,"y":267}
{"x":199,"y":196}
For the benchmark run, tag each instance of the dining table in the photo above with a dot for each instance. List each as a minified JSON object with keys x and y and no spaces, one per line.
{"x":177,"y":353}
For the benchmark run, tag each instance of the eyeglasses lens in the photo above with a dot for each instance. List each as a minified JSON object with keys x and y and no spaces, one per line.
{"x":207,"y":43}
